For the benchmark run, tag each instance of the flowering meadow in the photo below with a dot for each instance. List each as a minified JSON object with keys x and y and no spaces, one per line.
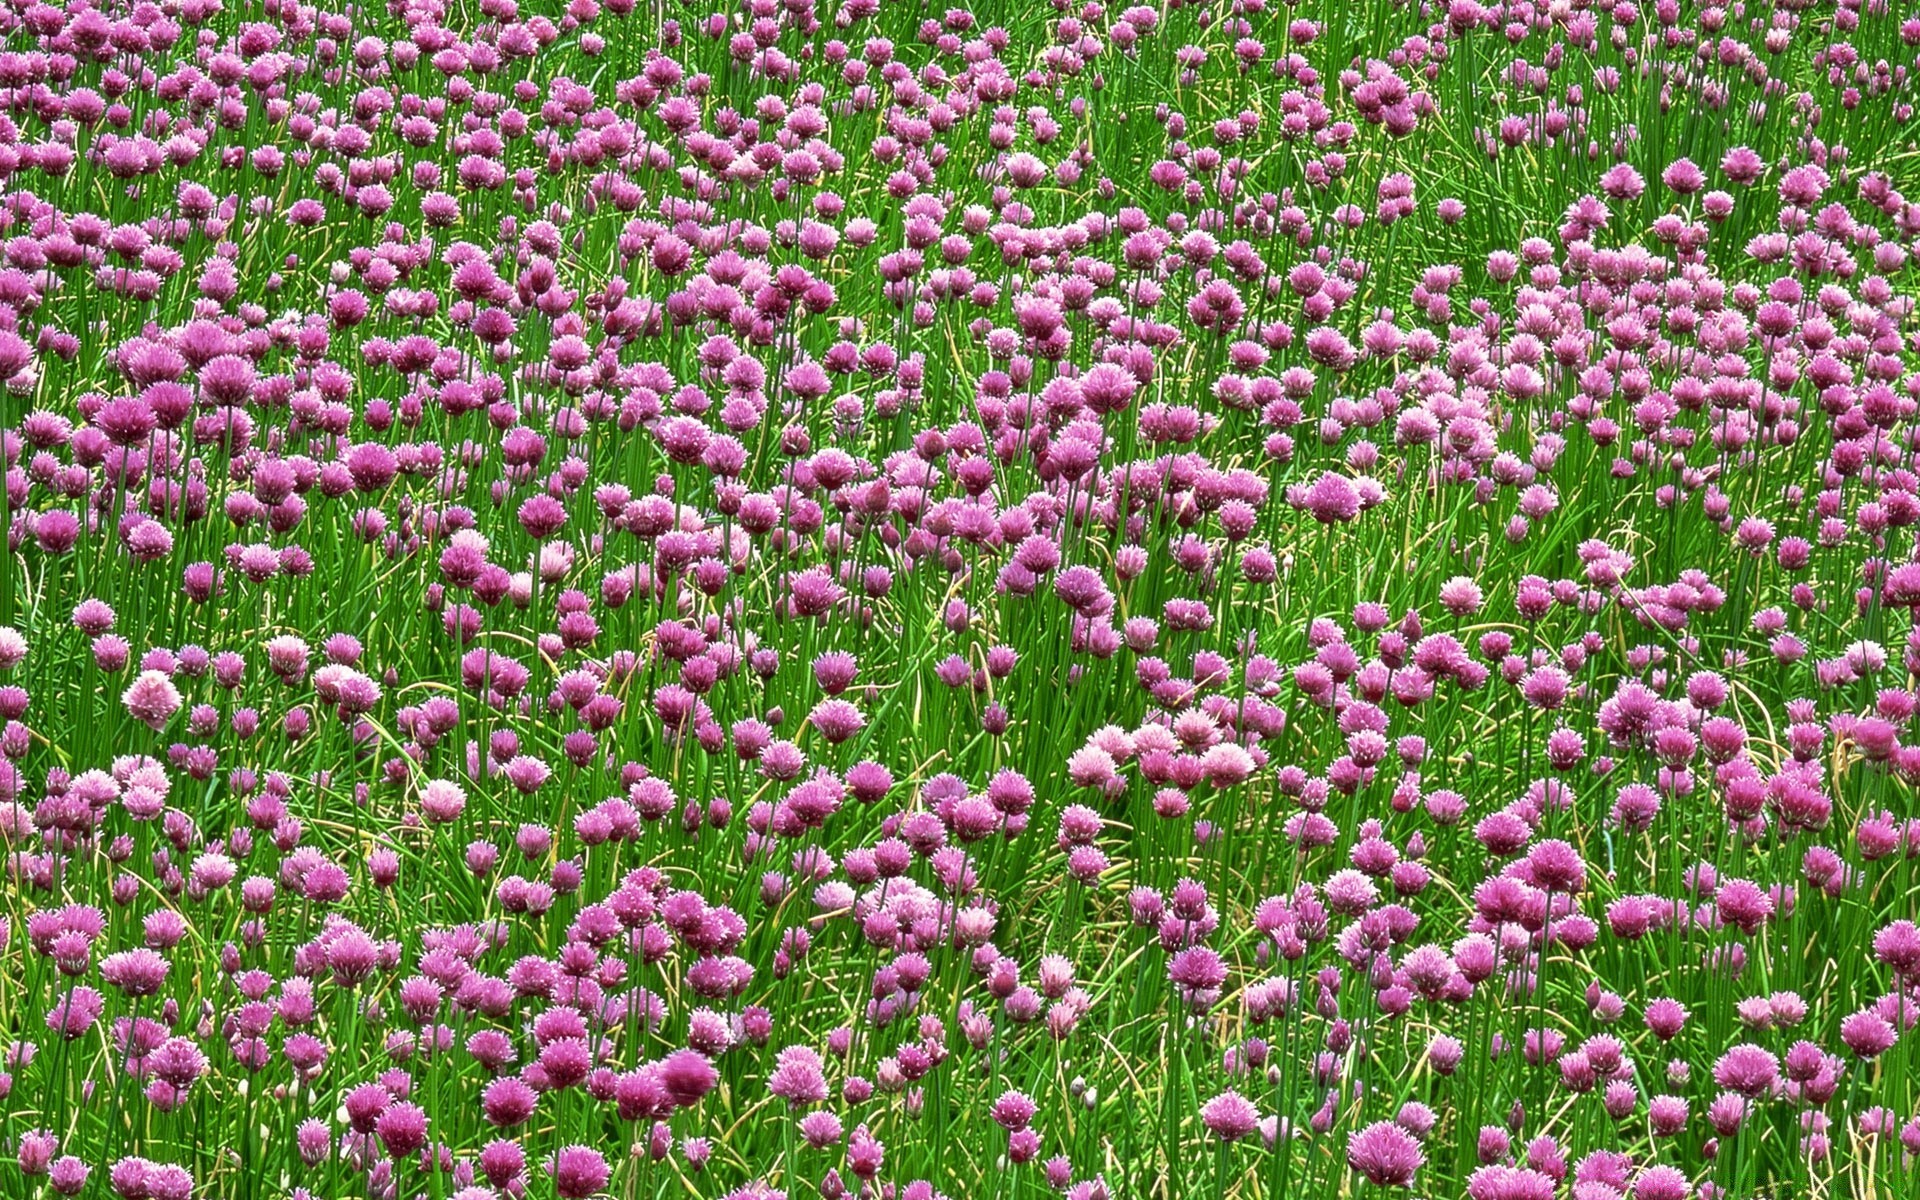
{"x":841,"y":600}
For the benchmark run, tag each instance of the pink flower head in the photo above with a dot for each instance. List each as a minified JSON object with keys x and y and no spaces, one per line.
{"x":798,"y":1077}
{"x":1230,"y":1116}
{"x":152,"y":699}
{"x":1385,"y":1153}
{"x":579,"y":1172}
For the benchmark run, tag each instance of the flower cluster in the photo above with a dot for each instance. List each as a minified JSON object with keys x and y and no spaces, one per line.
{"x":827,"y":600}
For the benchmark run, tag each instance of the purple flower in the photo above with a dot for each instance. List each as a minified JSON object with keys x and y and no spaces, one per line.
{"x":1661,"y":1182}
{"x":579,"y":1172}
{"x":36,"y":1151}
{"x":1867,"y":1034}
{"x":152,"y":699}
{"x":135,"y":972}
{"x":798,"y":1077}
{"x":507,"y":1102}
{"x":1747,"y":1069}
{"x":1230,"y":1116}
{"x":1332,"y":499}
{"x":68,"y":1175}
{"x":687,"y":1076}
{"x":1385,"y":1153}
{"x":1013,"y":1110}
{"x":402,"y":1129}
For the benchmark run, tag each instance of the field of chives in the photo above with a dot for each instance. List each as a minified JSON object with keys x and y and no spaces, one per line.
{"x":842,"y":600}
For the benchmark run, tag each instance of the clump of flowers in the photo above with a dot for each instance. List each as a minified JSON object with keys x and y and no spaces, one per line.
{"x":861,"y":601}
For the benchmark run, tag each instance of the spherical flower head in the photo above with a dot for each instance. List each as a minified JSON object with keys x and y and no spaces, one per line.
{"x":507,"y":1102}
{"x":1198,"y":973}
{"x":1667,"y":1115}
{"x":13,"y":646}
{"x":836,"y":720}
{"x":1351,"y":892}
{"x":1013,"y":1110}
{"x":782,"y":760}
{"x":1332,"y":499}
{"x":135,"y":972}
{"x":835,"y":671}
{"x":1742,"y":165}
{"x":1445,"y":1053}
{"x":1747,"y":1069}
{"x":1009,"y":792}
{"x":74,"y":1015}
{"x":68,"y":1175}
{"x":798,"y":1077}
{"x":1090,"y":766}
{"x":351,"y":956}
{"x":566,"y":1061}
{"x":442,"y":801}
{"x":287,"y":657}
{"x":127,"y":420}
{"x":820,"y":1128}
{"x":1510,"y":1183}
{"x":37,"y":1148}
{"x":1226,"y":764}
{"x":1902,"y":586}
{"x":1683,"y":177}
{"x":812,"y":592}
{"x":92,"y":617}
{"x":1082,"y":589}
{"x":1557,"y":867}
{"x":640,"y":1095}
{"x":1728,"y":1112}
{"x":364,"y":1104}
{"x":1416,"y":1118}
{"x":72,"y":952}
{"x":211,"y":872}
{"x":129,"y":1177}
{"x":1546,"y":687}
{"x":1622,"y":182}
{"x":1868,"y":1034}
{"x":168,"y":1181}
{"x":1743,"y":904}
{"x":152,"y":699}
{"x":1898,"y":946}
{"x":402,"y":1129}
{"x":1661,"y":1182}
{"x":687,"y":1076}
{"x":579,"y":1172}
{"x":1386,"y":1154}
{"x":1666,"y":1017}
{"x":865,"y":1153}
{"x":313,"y":1140}
{"x":502,"y":1161}
{"x":526,"y":773}
{"x":1230,"y":1116}
{"x":1461,"y":596}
